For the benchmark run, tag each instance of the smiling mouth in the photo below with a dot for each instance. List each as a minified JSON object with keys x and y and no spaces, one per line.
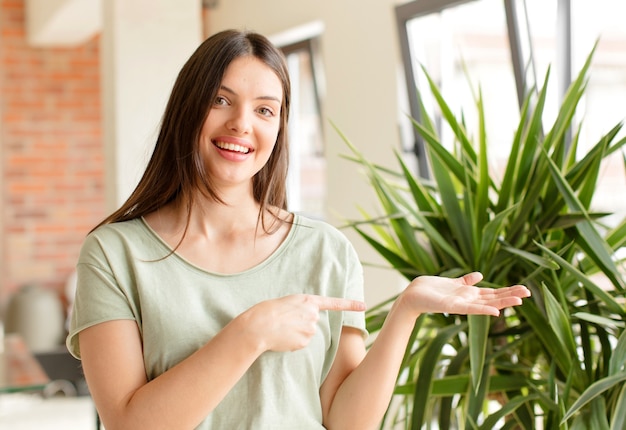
{"x":232,"y":147}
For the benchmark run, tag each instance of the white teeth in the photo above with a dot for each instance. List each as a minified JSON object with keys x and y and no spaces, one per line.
{"x":232,"y":147}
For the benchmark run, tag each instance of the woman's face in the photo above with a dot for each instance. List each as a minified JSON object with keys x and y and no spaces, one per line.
{"x":242,"y":126}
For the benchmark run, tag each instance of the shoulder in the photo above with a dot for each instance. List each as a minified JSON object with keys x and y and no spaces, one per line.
{"x":317,"y":227}
{"x":321,"y":235}
{"x":117,"y":238}
{"x":118,"y":231}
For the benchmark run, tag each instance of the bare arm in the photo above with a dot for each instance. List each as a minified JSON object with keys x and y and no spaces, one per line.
{"x":363,"y":393}
{"x":181,"y":397}
{"x":184,"y":395}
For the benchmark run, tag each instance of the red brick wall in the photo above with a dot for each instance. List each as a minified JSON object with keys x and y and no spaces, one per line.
{"x":51,"y":155}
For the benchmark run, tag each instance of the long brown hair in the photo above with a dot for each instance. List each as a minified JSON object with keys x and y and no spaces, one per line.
{"x":175,"y":169}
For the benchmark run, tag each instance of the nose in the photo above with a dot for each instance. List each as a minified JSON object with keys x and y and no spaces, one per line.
{"x":239,"y":121}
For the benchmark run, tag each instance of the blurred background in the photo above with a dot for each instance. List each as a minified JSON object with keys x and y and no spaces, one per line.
{"x":83,"y":84}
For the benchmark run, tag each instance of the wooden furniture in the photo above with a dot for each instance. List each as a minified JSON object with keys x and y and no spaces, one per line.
{"x":19,"y":369}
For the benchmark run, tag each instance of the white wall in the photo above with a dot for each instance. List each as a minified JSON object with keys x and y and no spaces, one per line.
{"x":142,"y":51}
{"x":361,"y":57}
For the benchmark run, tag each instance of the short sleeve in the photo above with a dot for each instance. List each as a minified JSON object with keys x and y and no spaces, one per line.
{"x":354,"y":289}
{"x":99,"y":296}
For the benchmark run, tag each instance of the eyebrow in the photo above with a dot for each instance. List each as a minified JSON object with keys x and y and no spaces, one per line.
{"x":230,"y":90}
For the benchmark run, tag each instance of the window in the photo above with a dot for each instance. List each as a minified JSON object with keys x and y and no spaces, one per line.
{"x":507,"y":47}
{"x":307,"y":164}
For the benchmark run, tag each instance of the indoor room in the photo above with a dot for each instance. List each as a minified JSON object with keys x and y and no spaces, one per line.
{"x":437,"y":137}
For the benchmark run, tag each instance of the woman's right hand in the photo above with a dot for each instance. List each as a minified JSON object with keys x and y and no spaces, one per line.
{"x":289,"y":323}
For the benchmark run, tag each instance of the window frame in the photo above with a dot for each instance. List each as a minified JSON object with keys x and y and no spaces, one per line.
{"x":520,"y":60}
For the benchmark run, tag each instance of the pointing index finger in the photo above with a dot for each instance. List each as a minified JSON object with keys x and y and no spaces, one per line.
{"x":337,"y":304}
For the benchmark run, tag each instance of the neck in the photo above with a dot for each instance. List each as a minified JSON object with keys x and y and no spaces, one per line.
{"x":211,"y":218}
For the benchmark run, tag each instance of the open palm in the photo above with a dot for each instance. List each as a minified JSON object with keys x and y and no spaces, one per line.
{"x":435,"y":294}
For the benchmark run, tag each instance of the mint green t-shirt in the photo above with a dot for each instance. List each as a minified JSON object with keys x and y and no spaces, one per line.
{"x":178,"y":307}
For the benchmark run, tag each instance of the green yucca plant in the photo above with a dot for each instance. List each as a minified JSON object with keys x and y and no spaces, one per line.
{"x":557,"y":361}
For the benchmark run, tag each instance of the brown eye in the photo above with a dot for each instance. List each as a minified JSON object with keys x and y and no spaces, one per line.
{"x":266,"y":111}
{"x":220,"y":101}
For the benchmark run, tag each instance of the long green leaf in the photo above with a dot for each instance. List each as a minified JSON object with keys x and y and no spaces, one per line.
{"x":617,"y":362}
{"x":618,"y":420}
{"x":582,"y":177}
{"x":480,"y":197}
{"x":457,"y":218}
{"x":584,"y":174}
{"x":456,"y":168}
{"x":427,"y":373}
{"x":397,"y":261}
{"x":379,"y":225}
{"x":477,"y":398}
{"x":590,"y":240}
{"x":533,"y":258}
{"x":599,"y":320}
{"x":458,"y":384}
{"x":559,"y":321}
{"x":423,"y":200}
{"x":490,"y":234}
{"x":531,"y":140}
{"x":509,"y":408}
{"x":457,"y":128}
{"x":568,"y":107}
{"x":549,"y":341}
{"x":599,"y":292}
{"x":405,"y":233}
{"x":598,"y":414}
{"x":617,"y":237}
{"x":478,"y":335}
{"x":506,"y":197}
{"x":594,"y":390}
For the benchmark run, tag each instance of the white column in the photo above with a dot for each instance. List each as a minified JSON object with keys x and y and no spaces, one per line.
{"x":144,"y":44}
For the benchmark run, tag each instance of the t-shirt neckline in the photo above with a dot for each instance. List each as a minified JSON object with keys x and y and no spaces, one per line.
{"x":273,"y":256}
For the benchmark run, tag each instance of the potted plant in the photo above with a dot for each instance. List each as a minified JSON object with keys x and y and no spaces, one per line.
{"x":557,"y":361}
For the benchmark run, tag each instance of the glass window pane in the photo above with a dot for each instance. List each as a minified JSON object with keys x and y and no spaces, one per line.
{"x":471,"y":41}
{"x":453,"y":49}
{"x":605,"y":102}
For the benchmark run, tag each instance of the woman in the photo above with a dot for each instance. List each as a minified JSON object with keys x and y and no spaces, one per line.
{"x":203,"y":303}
